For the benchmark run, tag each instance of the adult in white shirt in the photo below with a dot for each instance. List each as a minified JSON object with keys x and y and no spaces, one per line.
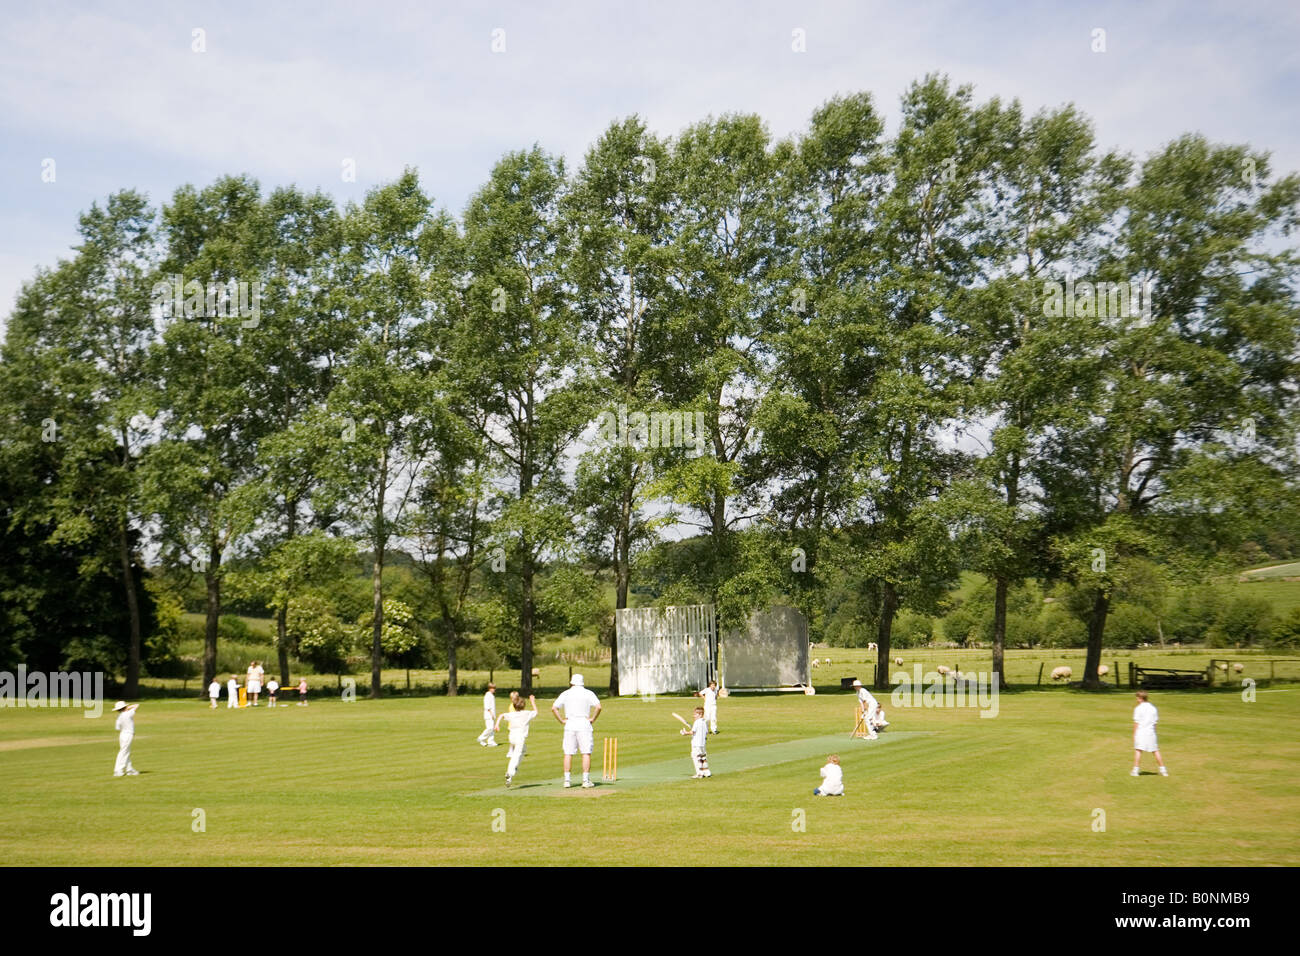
{"x":125,"y":727}
{"x":867,"y":710}
{"x":518,"y":720}
{"x":255,"y":675}
{"x":1145,"y":717}
{"x":575,"y":704}
{"x":710,"y":695}
{"x":488,"y":737}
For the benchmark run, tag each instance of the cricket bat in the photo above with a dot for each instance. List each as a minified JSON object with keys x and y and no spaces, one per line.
{"x":683,"y":720}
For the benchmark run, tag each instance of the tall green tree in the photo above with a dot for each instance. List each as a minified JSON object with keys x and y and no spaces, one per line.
{"x":933,"y":230}
{"x":388,"y":391}
{"x":199,"y":480}
{"x":618,"y":210}
{"x":1215,"y":355}
{"x":1053,"y":197}
{"x":722,"y":172}
{"x":520,"y":357}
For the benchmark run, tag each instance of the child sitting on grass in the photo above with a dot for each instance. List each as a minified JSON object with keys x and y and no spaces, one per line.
{"x":832,"y":779}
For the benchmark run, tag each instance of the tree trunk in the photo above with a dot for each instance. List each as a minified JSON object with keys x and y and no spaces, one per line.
{"x":1096,"y":628}
{"x":452,"y":686}
{"x":213,"y":579}
{"x":888,"y":608}
{"x":132,"y":688}
{"x":526,"y":615}
{"x":999,"y":629}
{"x":622,"y":578}
{"x":282,"y":614}
{"x":377,"y":579}
{"x":376,"y":644}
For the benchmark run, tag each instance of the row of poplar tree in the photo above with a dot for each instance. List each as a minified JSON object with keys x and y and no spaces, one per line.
{"x":859,"y":318}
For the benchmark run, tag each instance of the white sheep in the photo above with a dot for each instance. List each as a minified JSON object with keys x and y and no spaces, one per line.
{"x":826,"y":660}
{"x":943,"y":670}
{"x":898,"y":662}
{"x":1061,"y":673}
{"x":1222,"y":666}
{"x":1102,"y":670}
{"x":816,"y":663}
{"x":871,"y":647}
{"x":1238,"y":667}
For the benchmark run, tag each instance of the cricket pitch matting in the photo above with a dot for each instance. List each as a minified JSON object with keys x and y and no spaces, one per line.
{"x":678,"y":768}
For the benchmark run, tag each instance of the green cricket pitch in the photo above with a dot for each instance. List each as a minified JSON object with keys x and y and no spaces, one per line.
{"x":402,"y":781}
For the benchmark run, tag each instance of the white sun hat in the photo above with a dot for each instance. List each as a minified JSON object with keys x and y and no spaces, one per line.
{"x":576,"y":680}
{"x":857,"y":683}
{"x":120,"y":705}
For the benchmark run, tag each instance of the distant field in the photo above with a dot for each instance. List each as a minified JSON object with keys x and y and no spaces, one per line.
{"x":1291,"y":570}
{"x":402,"y":781}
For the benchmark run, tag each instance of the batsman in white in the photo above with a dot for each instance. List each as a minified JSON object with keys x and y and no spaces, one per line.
{"x":869,"y":710}
{"x":518,"y":720}
{"x":578,"y":720}
{"x":125,"y":728}
{"x":699,"y":732}
{"x":488,"y":737}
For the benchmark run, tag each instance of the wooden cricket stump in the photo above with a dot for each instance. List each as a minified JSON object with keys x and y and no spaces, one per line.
{"x":860,"y":728}
{"x":609,"y":762}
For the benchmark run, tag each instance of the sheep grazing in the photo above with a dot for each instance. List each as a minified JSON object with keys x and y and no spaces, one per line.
{"x":816,"y":662}
{"x":898,"y":662}
{"x":872,"y":647}
{"x":1102,"y":670}
{"x":1062,"y":673}
{"x":536,"y":672}
{"x":1238,"y":667}
{"x":944,"y":670}
{"x":1222,"y":666}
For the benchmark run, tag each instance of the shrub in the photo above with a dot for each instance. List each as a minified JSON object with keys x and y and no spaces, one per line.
{"x":1129,"y":625}
{"x":1286,"y":632}
{"x":1246,"y":620}
{"x":232,"y":628}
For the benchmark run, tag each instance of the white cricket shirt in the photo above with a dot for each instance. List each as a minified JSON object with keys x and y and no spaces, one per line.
{"x":576,"y":703}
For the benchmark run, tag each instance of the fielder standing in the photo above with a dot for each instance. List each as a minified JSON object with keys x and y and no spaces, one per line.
{"x":578,"y":720}
{"x":125,"y":728}
{"x":1145,"y":717}
{"x":488,"y":737}
{"x":710,"y":695}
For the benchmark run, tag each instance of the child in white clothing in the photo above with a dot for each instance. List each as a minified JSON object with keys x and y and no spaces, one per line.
{"x":832,"y":779}
{"x":699,"y":733}
{"x":518,"y":720}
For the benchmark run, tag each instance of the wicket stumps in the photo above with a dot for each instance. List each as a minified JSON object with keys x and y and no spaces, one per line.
{"x":860,"y":728}
{"x":609,"y":763}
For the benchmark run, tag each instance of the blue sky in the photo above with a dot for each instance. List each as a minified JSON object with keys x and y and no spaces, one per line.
{"x":115,"y":94}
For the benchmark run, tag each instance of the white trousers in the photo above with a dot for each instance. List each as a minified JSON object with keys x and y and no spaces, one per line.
{"x":514,"y":755}
{"x":489,"y":730}
{"x":711,"y":715}
{"x":123,"y":754}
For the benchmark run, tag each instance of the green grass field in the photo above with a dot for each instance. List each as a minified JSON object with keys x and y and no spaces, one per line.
{"x":401,"y":781}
